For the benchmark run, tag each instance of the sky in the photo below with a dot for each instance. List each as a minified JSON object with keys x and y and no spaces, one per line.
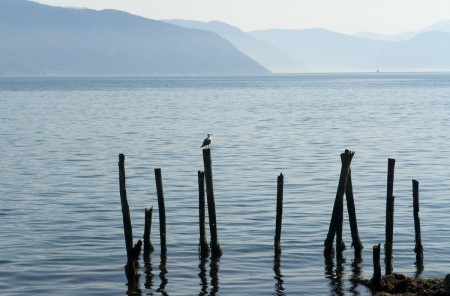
{"x":346,"y":16}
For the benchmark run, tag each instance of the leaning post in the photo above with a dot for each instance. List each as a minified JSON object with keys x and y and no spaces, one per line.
{"x":338,"y":204}
{"x":132,"y":262}
{"x":356,"y":242}
{"x":162,"y":212}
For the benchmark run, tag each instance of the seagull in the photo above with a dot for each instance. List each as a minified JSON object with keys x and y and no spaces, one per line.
{"x":207,"y":141}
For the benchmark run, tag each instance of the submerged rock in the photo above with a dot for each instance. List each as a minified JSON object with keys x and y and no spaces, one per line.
{"x":447,"y":284}
{"x":399,"y":284}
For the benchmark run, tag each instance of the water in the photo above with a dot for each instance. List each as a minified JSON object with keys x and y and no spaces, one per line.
{"x":61,"y":222}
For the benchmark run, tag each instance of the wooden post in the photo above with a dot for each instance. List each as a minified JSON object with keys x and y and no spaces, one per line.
{"x":277,"y":239}
{"x":356,"y":242}
{"x":148,"y":247}
{"x":376,"y":266}
{"x":389,"y":216}
{"x":338,"y":204}
{"x":215,"y":247}
{"x":162,"y":211}
{"x":418,"y":248}
{"x":203,"y":245}
{"x":132,"y":262}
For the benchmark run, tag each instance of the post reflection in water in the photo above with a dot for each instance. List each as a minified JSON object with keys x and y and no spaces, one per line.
{"x":148,"y":272}
{"x":134,"y":288}
{"x":214,"y":275}
{"x":162,"y":276}
{"x":203,"y":278}
{"x":279,"y":290}
{"x":133,"y":285}
{"x":356,"y":274}
{"x":419,"y":268}
{"x":335,"y":275}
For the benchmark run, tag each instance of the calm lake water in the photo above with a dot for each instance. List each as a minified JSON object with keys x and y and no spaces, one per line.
{"x":60,"y":217}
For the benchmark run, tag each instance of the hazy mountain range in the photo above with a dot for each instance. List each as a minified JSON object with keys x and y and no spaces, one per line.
{"x":266,"y":54}
{"x":320,"y":50}
{"x":37,"y":39}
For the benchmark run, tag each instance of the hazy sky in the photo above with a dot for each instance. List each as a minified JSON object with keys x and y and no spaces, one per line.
{"x":346,"y":16}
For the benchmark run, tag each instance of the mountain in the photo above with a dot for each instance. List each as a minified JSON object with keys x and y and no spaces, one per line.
{"x":38,"y":39}
{"x":322,"y":51}
{"x":268,"y":55}
{"x":428,"y":51}
{"x":376,"y":36}
{"x":443,"y":25}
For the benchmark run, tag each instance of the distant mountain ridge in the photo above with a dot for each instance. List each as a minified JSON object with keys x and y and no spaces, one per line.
{"x":323,"y":51}
{"x":320,"y":50}
{"x":267,"y":55}
{"x":443,"y":25}
{"x":38,"y":39}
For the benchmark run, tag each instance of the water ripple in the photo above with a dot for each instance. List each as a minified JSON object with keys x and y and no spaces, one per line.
{"x":61,"y":216}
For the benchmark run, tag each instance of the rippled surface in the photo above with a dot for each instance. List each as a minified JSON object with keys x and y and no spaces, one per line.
{"x":61,"y":221}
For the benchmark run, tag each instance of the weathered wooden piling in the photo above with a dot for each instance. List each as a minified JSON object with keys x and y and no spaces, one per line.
{"x":162,"y":211}
{"x":338,"y":204}
{"x":356,"y":242}
{"x":148,"y":247}
{"x":132,"y":252}
{"x":376,"y":266}
{"x":203,"y":243}
{"x":418,"y":247}
{"x":279,"y":216}
{"x":216,"y":251}
{"x":389,"y":216}
{"x":340,"y":245}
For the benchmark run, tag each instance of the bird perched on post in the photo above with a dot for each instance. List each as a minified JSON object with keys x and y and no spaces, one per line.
{"x":207,"y":141}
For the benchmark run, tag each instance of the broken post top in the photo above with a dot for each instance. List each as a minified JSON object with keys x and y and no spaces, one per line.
{"x":281,"y":177}
{"x":349,"y":154}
